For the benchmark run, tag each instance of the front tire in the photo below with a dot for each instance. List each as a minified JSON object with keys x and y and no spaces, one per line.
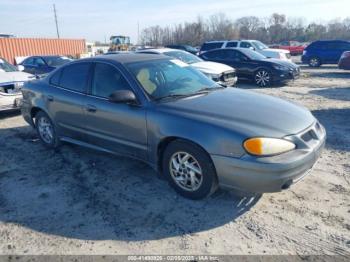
{"x":189,"y":170}
{"x":46,"y":130}
{"x":263,"y":78}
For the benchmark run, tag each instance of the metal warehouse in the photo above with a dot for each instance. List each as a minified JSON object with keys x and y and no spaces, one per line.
{"x":10,"y":48}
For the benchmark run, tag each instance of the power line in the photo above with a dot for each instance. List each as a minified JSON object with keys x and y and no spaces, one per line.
{"x":54,"y":10}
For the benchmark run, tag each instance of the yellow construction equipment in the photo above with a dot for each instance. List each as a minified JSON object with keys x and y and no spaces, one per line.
{"x":119,"y":43}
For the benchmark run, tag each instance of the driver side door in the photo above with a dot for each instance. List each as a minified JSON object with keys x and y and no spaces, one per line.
{"x":117,"y":127}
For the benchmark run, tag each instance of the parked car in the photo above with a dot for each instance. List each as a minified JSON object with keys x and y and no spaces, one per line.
{"x":344,"y":61}
{"x":11,"y":81}
{"x":162,"y":111}
{"x":186,"y":48}
{"x":249,"y":44}
{"x":294,"y":47}
{"x":324,"y":52}
{"x":219,"y":73}
{"x":254,"y":66}
{"x":43,"y":64}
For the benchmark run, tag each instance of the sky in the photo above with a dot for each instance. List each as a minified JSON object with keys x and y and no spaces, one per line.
{"x":98,"y":20}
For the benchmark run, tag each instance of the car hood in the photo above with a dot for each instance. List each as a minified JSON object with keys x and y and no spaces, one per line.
{"x":16,"y":76}
{"x":244,"y":112}
{"x":280,"y":62}
{"x":275,"y":50}
{"x":212,"y":67}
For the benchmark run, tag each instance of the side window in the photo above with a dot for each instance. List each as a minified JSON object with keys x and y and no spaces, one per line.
{"x":28,"y":61}
{"x":55,"y":79}
{"x":74,"y":77}
{"x":245,"y":45}
{"x":227,"y":54}
{"x":106,"y":80}
{"x":39,"y":61}
{"x":217,"y":54}
{"x":231,"y":44}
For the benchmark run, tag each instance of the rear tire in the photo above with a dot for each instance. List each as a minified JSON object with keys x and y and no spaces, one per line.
{"x":46,"y":130}
{"x":314,"y":62}
{"x":189,"y":170}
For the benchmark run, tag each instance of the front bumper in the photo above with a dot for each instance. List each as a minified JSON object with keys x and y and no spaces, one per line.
{"x":10,"y":101}
{"x":271,"y":174}
{"x":281,"y":76}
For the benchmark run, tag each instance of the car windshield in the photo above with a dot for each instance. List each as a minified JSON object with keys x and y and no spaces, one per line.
{"x":252,"y":54}
{"x":184,"y":56}
{"x":259,"y":45}
{"x":170,"y":78}
{"x":6,"y":66}
{"x":57,"y":60}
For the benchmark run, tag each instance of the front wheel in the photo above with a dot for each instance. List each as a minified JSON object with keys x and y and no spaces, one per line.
{"x":189,"y":170}
{"x":263,"y":78}
{"x":46,"y":130}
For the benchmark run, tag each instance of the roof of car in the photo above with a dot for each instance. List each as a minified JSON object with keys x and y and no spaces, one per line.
{"x":160,"y":50}
{"x":131,"y":57}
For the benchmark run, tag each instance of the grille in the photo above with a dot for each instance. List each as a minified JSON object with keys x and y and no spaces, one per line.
{"x":314,"y":133}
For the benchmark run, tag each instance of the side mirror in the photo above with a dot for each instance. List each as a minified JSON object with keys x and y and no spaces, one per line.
{"x":20,"y":68}
{"x":123,"y":96}
{"x":252,"y":48}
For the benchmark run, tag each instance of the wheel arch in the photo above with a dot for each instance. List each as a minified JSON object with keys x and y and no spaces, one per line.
{"x":162,"y":145}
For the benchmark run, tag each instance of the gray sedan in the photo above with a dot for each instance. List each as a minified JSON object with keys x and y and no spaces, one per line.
{"x":197,"y":134}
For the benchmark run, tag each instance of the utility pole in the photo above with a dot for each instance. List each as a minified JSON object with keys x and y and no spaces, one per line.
{"x":54,"y":11}
{"x":138,"y":32}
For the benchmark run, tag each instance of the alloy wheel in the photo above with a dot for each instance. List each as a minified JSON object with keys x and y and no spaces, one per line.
{"x":45,"y":129}
{"x":262,"y":78}
{"x":314,"y":62}
{"x":186,"y":171}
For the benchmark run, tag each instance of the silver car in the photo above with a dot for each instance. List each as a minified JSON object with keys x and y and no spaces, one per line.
{"x":157,"y":109}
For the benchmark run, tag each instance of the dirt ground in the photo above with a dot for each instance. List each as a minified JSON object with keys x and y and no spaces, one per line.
{"x":78,"y":201}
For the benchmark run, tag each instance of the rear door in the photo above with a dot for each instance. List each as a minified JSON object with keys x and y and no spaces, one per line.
{"x":120,"y":127}
{"x":65,"y":100}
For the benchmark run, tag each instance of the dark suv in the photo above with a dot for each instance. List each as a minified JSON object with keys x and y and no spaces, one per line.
{"x":324,"y":52}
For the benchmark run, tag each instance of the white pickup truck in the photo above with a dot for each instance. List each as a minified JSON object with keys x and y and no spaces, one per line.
{"x":11,"y":81}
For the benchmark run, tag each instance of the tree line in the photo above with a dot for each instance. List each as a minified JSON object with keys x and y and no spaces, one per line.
{"x":270,"y":30}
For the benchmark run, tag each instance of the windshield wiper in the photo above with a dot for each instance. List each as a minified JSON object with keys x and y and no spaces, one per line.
{"x":207,"y":88}
{"x":172,"y":96}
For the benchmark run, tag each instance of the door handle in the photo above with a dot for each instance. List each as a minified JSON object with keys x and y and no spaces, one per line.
{"x":91,"y":108}
{"x":50,"y":98}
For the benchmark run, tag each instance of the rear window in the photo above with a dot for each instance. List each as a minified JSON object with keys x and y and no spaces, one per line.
{"x":210,"y":46}
{"x":74,"y":77}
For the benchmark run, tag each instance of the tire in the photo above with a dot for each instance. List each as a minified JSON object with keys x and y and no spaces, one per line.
{"x":263,"y":78}
{"x":314,"y":62}
{"x":196,"y":174}
{"x":46,"y":130}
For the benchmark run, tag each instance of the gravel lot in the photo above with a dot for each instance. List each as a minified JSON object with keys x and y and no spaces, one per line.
{"x":78,"y":201}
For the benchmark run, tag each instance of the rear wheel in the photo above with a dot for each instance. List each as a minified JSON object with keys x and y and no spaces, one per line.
{"x":46,"y":130}
{"x":189,"y":170}
{"x":263,"y":78}
{"x":314,"y":62}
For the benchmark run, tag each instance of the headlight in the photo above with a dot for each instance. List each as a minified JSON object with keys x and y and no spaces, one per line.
{"x":214,"y":77}
{"x":263,"y":146}
{"x":19,"y":84}
{"x":280,"y":67}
